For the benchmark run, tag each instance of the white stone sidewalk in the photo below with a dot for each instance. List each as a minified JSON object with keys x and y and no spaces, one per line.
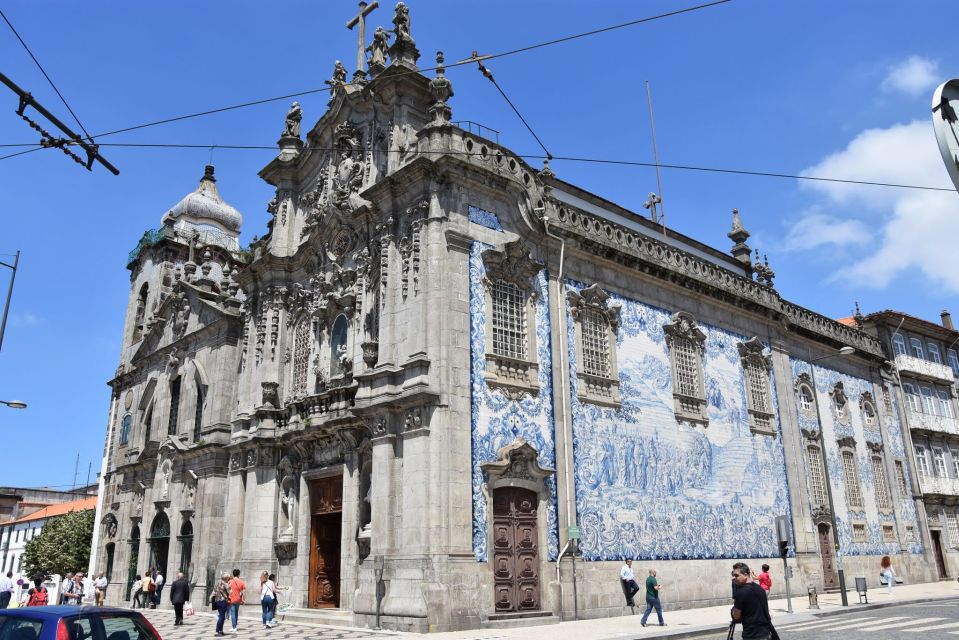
{"x":687,"y":622}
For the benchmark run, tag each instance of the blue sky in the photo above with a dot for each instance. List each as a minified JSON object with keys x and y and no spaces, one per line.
{"x":839,"y":89}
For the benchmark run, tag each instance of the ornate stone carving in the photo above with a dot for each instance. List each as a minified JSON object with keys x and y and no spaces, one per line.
{"x":514,"y":264}
{"x":378,"y":50}
{"x":840,"y":404}
{"x":350,"y":168}
{"x":442,"y":90}
{"x":846,"y":442}
{"x":517,"y":464}
{"x":683,"y":336}
{"x":337,"y":81}
{"x":236,"y":459}
{"x":189,"y":492}
{"x":251,"y":458}
{"x":328,"y":450}
{"x":414,"y":419}
{"x":285,"y":549}
{"x":291,"y":127}
{"x":404,"y":47}
{"x":270,"y":394}
{"x":590,"y":307}
{"x":822,"y":515}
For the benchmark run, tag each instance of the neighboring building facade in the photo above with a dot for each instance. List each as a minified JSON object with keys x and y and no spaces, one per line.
{"x":924,"y":356}
{"x":15,"y":534}
{"x":439,"y":360}
{"x":16,"y":502}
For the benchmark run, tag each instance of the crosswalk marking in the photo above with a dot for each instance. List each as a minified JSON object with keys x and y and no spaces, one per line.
{"x":800,"y":626}
{"x":859,"y":623}
{"x":948,"y":625}
{"x":909,"y":623}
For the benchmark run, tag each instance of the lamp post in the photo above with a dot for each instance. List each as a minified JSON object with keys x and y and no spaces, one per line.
{"x":844,"y":351}
{"x":6,"y":306}
{"x":14,"y":404}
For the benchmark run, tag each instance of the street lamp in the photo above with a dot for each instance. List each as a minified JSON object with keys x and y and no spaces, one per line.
{"x":844,"y":351}
{"x":14,"y":404}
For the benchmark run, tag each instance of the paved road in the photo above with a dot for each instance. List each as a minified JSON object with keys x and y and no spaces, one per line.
{"x":939,"y":620}
{"x":202,"y":626}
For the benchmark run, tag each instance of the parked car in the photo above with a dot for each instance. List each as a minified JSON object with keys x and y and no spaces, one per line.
{"x":74,"y":623}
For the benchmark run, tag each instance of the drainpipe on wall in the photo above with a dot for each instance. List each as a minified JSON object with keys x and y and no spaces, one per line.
{"x":567,"y":424}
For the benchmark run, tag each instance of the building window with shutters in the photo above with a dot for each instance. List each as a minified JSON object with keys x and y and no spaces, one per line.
{"x":898,"y":345}
{"x":901,"y":478}
{"x":916,"y":344}
{"x":595,"y":322}
{"x":922,"y":461}
{"x":868,"y":409}
{"x":756,"y":367}
{"x":939,"y":460}
{"x":806,"y":403}
{"x":879,"y":481}
{"x":817,"y":482}
{"x":511,"y":296}
{"x":850,"y":473}
{"x":686,"y":343}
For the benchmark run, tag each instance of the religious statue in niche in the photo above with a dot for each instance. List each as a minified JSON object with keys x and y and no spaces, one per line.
{"x":189,"y":493}
{"x":349,"y":170}
{"x":165,"y":481}
{"x":138,"y":504}
{"x":112,"y":529}
{"x":377,"y":49}
{"x":293,"y":118}
{"x":287,"y":506}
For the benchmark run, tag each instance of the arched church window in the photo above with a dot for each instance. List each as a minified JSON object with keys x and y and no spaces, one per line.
{"x":850,"y":476}
{"x":198,"y":412}
{"x":879,"y":480}
{"x":302,"y":343}
{"x":140,"y":312}
{"x":339,"y":357}
{"x":756,"y":367}
{"x":174,"y":406}
{"x":125,"y":429}
{"x":509,"y":321}
{"x":806,"y":402}
{"x":817,"y":481}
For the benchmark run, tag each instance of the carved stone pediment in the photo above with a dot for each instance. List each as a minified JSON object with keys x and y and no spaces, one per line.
{"x":683,"y":325}
{"x":754,"y":348}
{"x":846,"y":442}
{"x":594,"y":297}
{"x":875,"y":447}
{"x":517,"y":465}
{"x":822,"y":515}
{"x":514,"y":264}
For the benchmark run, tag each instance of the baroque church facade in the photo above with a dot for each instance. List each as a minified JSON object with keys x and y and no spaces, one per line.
{"x":440,"y":362}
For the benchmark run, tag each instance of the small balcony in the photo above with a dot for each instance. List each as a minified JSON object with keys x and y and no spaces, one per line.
{"x":924,"y":369}
{"x":938,"y":424}
{"x":939,"y":486}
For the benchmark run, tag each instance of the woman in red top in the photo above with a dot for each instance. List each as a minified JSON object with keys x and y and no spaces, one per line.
{"x":764,"y":580}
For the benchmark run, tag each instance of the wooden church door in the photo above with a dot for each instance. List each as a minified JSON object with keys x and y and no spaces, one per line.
{"x":515,"y":550}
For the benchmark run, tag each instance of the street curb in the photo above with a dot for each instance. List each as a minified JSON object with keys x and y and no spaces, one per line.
{"x":807,"y":616}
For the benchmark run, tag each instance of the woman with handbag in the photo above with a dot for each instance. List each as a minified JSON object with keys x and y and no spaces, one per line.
{"x":219,"y":601}
{"x":267,"y":595}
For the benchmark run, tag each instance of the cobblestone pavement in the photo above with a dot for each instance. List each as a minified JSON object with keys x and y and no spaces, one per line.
{"x":203,"y":625}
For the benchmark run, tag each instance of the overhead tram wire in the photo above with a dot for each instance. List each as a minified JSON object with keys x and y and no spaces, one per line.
{"x":460,"y":63}
{"x":45,"y":75}
{"x":489,"y":76}
{"x":528,"y":156}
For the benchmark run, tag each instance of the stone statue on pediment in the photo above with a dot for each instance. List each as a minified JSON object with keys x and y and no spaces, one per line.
{"x":293,"y":118}
{"x":378,"y":49}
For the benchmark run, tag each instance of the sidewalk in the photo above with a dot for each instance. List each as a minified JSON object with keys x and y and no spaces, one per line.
{"x":692,"y":622}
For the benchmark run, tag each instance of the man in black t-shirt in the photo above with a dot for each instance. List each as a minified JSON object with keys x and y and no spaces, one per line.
{"x":751,"y":607}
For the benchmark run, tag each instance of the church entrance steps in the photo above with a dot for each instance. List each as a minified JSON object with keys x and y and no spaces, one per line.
{"x":330,"y":617}
{"x":519,"y":619}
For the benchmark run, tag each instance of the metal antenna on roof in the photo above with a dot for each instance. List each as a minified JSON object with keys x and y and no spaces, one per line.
{"x":659,"y":179}
{"x":76,"y":468}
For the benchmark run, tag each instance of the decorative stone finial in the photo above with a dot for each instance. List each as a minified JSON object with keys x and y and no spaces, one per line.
{"x":442,"y":90}
{"x":546,"y":171}
{"x":208,"y":173}
{"x":858,"y":317}
{"x":650,"y":204}
{"x":739,"y":235}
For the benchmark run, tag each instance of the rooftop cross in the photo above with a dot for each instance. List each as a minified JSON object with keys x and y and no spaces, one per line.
{"x":360,"y":19}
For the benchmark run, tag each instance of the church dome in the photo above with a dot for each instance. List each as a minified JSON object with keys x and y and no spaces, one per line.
{"x":204,"y":207}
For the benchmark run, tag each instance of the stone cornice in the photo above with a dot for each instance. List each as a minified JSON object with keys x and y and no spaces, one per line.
{"x":663,"y":261}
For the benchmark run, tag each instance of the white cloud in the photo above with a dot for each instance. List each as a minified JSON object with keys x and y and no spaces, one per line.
{"x":817,"y":229}
{"x":915,"y":230}
{"x":913,"y":76}
{"x":25,"y":319}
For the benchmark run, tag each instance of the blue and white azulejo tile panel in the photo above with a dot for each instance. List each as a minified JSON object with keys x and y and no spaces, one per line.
{"x":498,"y":420}
{"x":648,"y":487}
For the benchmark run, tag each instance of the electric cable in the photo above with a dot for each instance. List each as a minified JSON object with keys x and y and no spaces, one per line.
{"x":44,"y":72}
{"x":489,"y":76}
{"x":527,"y":156}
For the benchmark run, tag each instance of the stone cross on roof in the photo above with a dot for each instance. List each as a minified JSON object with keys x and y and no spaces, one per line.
{"x":360,"y":19}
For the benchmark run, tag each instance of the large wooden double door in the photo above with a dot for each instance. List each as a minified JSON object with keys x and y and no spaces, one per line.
{"x":326,"y":530}
{"x":515,"y":550}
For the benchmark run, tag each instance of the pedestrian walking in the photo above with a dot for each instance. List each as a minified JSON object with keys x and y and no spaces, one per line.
{"x":179,"y":594}
{"x":100,"y":589}
{"x":887,"y":572}
{"x":38,"y":596}
{"x":158,"y":581}
{"x":148,"y":589}
{"x":652,"y":599}
{"x":267,"y":596}
{"x":751,"y":607}
{"x":221,"y":601}
{"x":764,"y":579}
{"x":6,"y":589}
{"x":137,"y":590}
{"x":628,"y":582}
{"x":276,"y":597}
{"x":237,"y":592}
{"x":66,"y":586}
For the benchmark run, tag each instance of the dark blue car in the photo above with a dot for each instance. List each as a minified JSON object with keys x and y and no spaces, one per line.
{"x":74,"y":623}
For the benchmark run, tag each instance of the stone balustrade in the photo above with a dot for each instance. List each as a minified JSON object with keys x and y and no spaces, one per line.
{"x":924,"y":368}
{"x":939,"y":424}
{"x":939,"y":486}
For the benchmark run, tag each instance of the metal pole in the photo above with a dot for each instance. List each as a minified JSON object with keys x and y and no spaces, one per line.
{"x":789,"y":601}
{"x":6,"y":306}
{"x":575,"y":598}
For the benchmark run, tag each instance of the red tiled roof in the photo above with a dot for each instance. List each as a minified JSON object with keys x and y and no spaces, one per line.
{"x":849,"y":321}
{"x":59,"y":509}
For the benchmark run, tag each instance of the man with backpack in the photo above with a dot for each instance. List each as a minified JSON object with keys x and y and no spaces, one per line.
{"x":38,"y":596}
